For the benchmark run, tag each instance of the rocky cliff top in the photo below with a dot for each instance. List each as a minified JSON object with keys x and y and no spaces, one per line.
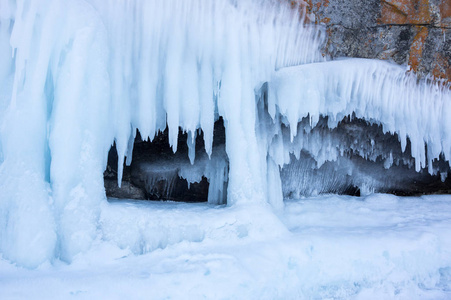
{"x":411,"y":32}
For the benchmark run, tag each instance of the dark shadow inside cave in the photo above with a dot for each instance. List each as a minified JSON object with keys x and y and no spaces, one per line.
{"x":154,"y":173}
{"x":369,"y":161}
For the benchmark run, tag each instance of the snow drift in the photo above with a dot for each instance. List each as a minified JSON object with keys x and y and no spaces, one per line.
{"x":78,"y":75}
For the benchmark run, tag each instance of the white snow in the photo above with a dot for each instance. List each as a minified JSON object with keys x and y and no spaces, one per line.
{"x":330,"y":247}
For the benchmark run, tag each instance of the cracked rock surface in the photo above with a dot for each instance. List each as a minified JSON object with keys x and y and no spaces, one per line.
{"x":409,"y":32}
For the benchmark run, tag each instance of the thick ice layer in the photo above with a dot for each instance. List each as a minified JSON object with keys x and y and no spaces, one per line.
{"x":376,"y":91}
{"x":179,"y":63}
{"x":86,"y":73}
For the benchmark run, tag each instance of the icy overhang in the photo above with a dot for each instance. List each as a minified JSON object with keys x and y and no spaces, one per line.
{"x":379,"y":92}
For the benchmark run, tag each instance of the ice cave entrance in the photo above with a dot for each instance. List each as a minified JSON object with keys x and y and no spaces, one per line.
{"x":367,"y":160}
{"x":157,"y":173}
{"x":358,"y":158}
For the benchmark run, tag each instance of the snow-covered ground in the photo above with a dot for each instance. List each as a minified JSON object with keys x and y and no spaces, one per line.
{"x":329,"y":247}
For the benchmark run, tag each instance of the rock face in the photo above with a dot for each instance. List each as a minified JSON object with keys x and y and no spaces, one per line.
{"x":411,"y":32}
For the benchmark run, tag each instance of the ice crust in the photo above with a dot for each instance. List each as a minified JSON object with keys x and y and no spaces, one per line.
{"x":76,"y":76}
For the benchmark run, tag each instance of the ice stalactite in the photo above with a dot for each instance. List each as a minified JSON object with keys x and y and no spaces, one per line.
{"x":56,"y":130}
{"x":183,"y":63}
{"x":82,"y":74}
{"x":379,"y":92}
{"x":26,"y":217}
{"x":323,"y":94}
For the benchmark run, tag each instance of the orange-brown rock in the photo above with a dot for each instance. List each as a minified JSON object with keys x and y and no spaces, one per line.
{"x":441,"y":67}
{"x":416,"y":50}
{"x":410,"y":32}
{"x":445,"y":12}
{"x":415,"y":12}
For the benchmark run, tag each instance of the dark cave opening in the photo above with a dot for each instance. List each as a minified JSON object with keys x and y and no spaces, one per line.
{"x":154,"y":173}
{"x":369,"y":161}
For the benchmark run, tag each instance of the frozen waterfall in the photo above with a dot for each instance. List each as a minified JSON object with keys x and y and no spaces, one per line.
{"x":77,"y":76}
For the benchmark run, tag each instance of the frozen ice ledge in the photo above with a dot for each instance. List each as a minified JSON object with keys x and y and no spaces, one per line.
{"x":77,"y":76}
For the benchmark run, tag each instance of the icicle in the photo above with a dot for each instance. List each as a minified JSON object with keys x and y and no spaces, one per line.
{"x":382,"y":92}
{"x":131,"y":143}
{"x":191,"y":142}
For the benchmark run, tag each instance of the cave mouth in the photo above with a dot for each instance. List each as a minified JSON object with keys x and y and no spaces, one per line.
{"x":157,"y":173}
{"x":366,"y":160}
{"x":361,"y":159}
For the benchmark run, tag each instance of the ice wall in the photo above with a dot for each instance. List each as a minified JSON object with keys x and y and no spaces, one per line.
{"x":78,"y":75}
{"x":183,"y":63}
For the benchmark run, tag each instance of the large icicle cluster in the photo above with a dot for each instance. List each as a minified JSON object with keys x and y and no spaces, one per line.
{"x":78,"y":75}
{"x":376,"y":91}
